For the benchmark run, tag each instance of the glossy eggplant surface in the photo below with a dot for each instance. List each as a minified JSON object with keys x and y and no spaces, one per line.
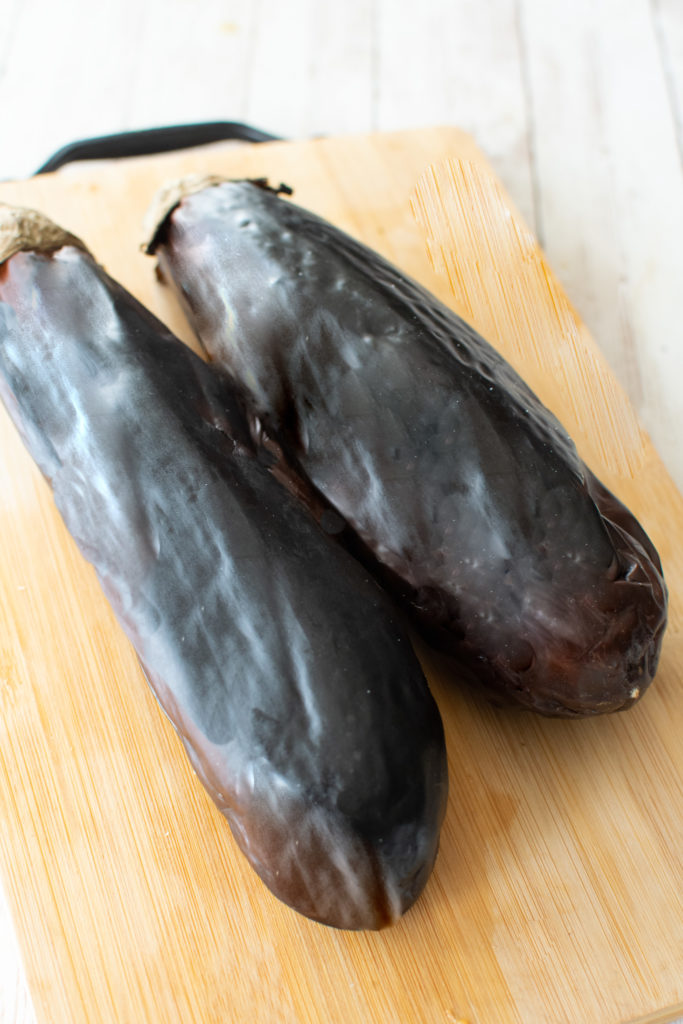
{"x":280,"y":662}
{"x":465,"y":491}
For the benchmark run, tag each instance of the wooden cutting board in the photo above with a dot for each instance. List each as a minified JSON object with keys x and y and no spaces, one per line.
{"x":557,"y":892}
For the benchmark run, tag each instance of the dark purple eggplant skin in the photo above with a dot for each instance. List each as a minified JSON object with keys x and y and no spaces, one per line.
{"x":279,"y":661}
{"x":467,"y":493}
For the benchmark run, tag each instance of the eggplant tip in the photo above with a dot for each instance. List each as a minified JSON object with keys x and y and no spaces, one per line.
{"x":164,"y":202}
{"x":172,"y":193}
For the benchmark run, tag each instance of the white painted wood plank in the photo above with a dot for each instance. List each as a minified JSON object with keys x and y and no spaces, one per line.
{"x":192,"y":62}
{"x":63,"y":77}
{"x":459,"y":62}
{"x":296,"y":69}
{"x":611,"y":194}
{"x":668,"y":17}
{"x":9,"y":16}
{"x":311,"y":69}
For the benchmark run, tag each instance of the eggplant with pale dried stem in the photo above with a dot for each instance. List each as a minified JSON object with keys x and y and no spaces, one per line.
{"x":279,"y":661}
{"x":469,"y":497}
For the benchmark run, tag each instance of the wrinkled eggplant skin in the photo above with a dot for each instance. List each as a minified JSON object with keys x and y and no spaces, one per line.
{"x":279,"y":661}
{"x":467,"y":492}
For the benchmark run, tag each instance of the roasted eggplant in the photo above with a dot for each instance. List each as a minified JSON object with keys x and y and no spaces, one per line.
{"x":466,"y":493}
{"x":279,"y":661}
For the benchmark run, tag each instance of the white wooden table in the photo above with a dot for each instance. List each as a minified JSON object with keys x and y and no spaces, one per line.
{"x":577,"y":103}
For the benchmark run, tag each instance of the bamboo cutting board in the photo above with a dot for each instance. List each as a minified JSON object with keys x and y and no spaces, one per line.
{"x":557,"y":892}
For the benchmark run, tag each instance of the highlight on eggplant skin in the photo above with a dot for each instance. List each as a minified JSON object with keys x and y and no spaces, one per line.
{"x":466,"y":492}
{"x":278,"y":660}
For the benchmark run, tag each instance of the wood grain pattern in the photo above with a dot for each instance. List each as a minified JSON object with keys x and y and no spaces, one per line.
{"x":556,"y":896}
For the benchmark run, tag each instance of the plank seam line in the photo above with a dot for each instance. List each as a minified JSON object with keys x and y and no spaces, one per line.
{"x":668,"y":74}
{"x":531,"y":128}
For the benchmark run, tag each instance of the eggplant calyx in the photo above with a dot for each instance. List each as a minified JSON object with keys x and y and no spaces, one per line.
{"x":22,"y":230}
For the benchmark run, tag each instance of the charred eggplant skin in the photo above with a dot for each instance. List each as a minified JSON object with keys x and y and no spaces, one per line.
{"x":279,"y":661}
{"x":466,"y":491}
